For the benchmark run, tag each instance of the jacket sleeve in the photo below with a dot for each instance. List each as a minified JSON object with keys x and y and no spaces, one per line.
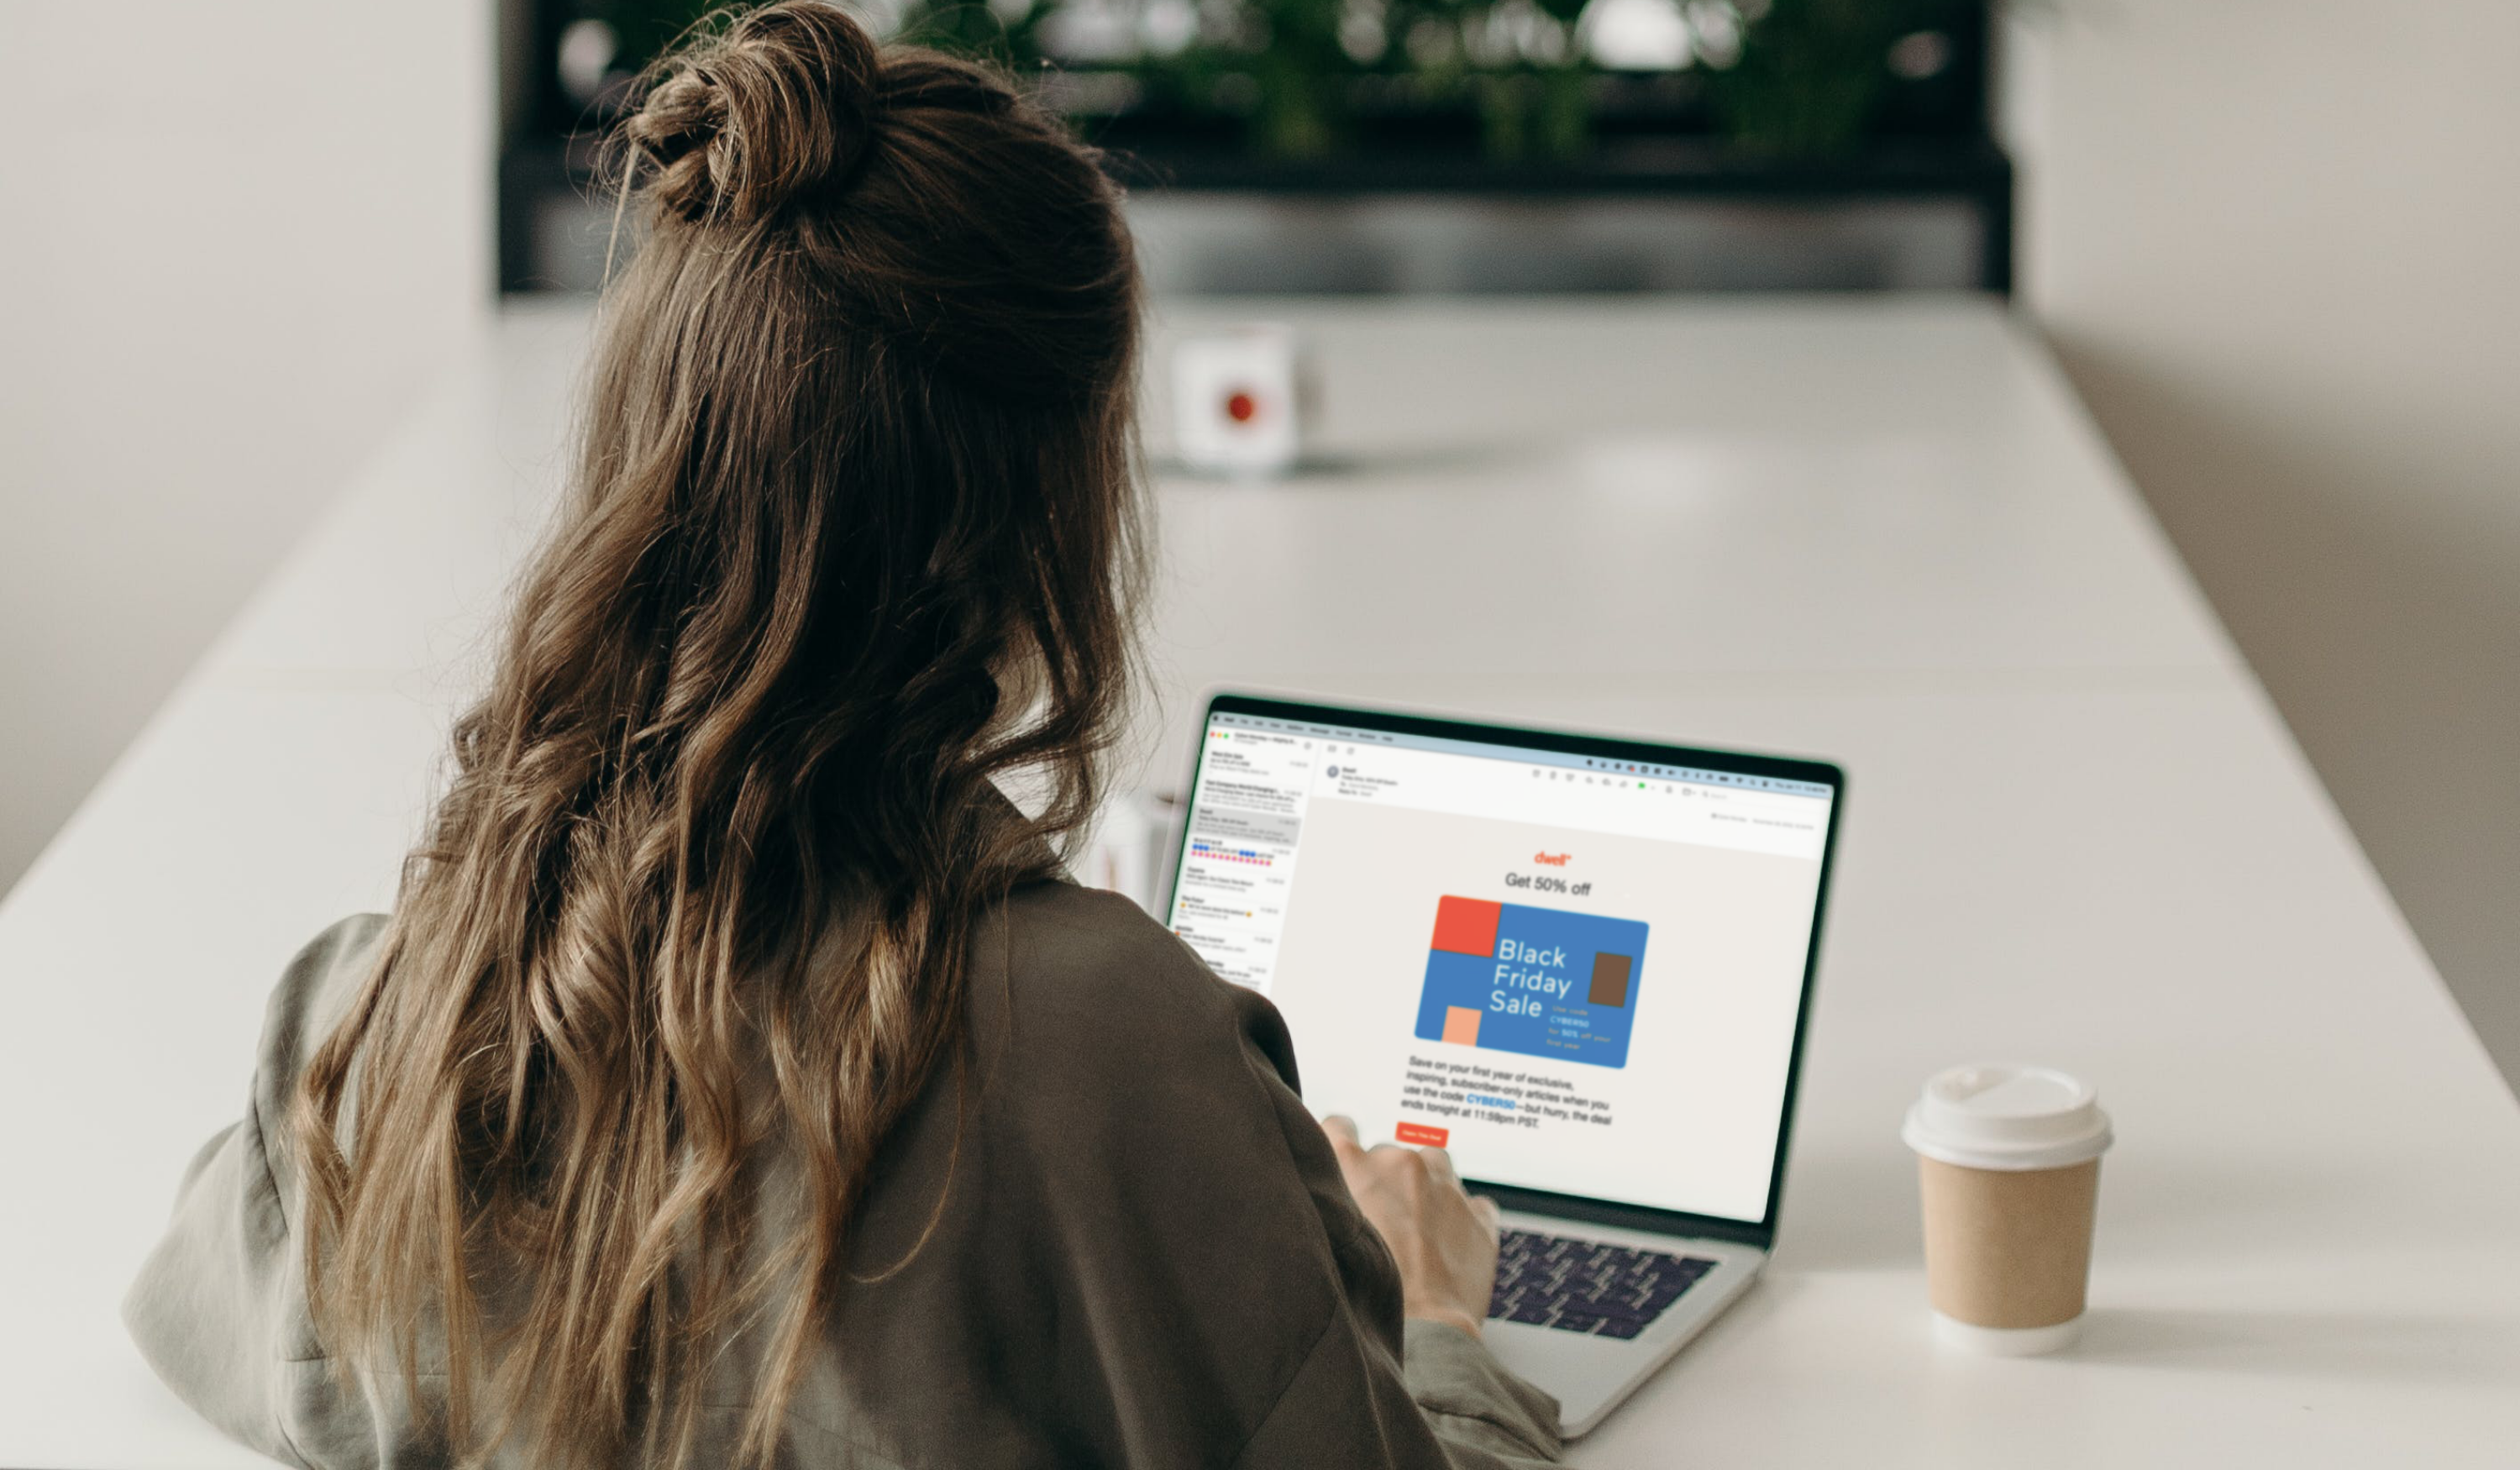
{"x":1202,"y":1286}
{"x":218,"y":1308}
{"x":1432,"y":1394}
{"x":203,"y":1310}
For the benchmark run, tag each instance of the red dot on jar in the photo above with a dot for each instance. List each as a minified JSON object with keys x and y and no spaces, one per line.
{"x":1242,"y":407}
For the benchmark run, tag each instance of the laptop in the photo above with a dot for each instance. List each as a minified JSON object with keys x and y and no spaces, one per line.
{"x":1582,"y":965}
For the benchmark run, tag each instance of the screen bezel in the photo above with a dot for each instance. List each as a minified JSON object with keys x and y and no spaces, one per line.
{"x":1599,"y":1211}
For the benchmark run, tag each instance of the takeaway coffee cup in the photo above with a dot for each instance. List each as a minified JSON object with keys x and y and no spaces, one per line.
{"x":2008,"y":1158}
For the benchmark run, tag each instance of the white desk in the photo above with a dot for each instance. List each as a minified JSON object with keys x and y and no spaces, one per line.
{"x":1880,"y":532}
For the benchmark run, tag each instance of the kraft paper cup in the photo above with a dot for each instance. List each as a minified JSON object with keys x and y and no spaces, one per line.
{"x":2008,"y":1162}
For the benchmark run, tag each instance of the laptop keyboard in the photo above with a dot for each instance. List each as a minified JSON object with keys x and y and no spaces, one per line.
{"x":1583,"y":1286}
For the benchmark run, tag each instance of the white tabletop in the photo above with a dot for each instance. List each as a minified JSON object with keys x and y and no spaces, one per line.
{"x":1876,"y":531}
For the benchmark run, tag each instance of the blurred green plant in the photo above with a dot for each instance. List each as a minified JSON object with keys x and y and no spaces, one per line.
{"x":1790,"y":78}
{"x":1810,"y":74}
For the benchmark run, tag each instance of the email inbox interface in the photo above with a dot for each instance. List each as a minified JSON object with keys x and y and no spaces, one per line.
{"x":1578,"y":976}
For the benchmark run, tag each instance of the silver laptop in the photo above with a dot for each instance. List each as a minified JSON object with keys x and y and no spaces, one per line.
{"x":1582,"y":965}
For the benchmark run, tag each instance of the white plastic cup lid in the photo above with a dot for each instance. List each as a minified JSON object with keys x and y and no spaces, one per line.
{"x":2004,"y":1115}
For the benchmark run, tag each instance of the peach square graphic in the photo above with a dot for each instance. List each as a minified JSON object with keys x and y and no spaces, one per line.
{"x":1461,"y":1026}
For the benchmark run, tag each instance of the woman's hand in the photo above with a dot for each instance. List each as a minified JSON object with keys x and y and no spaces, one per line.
{"x":1444,"y":1241}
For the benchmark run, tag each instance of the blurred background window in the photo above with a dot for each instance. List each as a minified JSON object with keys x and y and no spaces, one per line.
{"x":1436,"y":146}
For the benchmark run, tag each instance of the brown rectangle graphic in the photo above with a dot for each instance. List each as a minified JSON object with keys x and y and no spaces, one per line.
{"x":1611,"y":979}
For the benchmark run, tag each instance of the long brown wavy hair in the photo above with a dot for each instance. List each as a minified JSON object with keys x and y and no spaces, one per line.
{"x":854,"y":538}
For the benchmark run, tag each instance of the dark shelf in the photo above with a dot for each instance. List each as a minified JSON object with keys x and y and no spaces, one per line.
{"x":1972,"y":171}
{"x":1676,"y":165}
{"x":1183,"y":133}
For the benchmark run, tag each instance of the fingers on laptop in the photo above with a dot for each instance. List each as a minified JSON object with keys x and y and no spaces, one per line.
{"x":1346,"y":1140}
{"x":1437,"y":1162}
{"x":1439,"y":1168}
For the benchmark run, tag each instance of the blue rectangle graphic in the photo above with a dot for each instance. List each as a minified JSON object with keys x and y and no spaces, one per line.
{"x":1541,"y":982}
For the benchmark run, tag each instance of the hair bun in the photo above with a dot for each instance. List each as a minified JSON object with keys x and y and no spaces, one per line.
{"x":780,"y":104}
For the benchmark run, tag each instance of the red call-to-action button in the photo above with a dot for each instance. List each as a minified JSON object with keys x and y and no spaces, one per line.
{"x":1420,"y":1133}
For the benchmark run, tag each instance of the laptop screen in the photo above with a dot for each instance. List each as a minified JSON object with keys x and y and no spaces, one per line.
{"x":1579,"y":964}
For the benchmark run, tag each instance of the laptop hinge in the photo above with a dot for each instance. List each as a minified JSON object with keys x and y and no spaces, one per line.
{"x":1627,"y":1216}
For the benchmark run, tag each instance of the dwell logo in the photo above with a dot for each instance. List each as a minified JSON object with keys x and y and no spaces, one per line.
{"x":1541,"y":982}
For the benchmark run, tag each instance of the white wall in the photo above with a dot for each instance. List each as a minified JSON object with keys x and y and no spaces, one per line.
{"x":2278,"y":243}
{"x":235,"y":239}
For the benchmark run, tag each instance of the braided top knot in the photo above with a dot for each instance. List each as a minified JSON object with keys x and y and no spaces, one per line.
{"x":780,"y":105}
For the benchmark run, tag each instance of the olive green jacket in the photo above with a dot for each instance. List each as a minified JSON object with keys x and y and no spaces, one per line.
{"x":1144,"y":1254}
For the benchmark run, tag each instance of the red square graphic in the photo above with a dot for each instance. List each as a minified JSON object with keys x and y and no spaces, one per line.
{"x":1466,"y":926}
